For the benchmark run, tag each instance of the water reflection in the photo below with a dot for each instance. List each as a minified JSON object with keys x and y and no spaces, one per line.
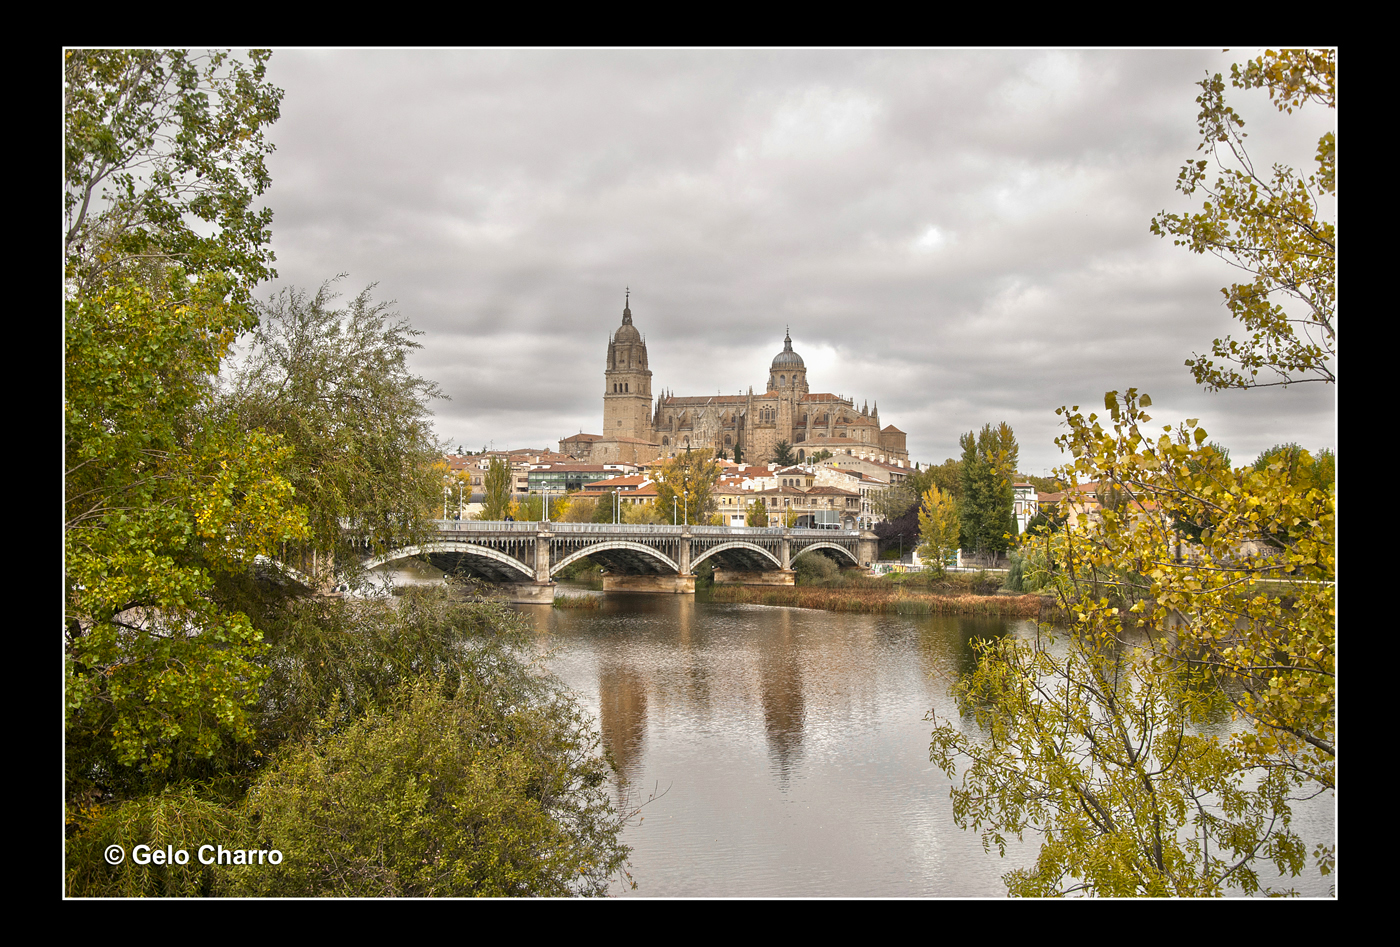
{"x":792,"y":741}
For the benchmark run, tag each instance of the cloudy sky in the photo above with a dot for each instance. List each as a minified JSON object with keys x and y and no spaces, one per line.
{"x":960,"y":236}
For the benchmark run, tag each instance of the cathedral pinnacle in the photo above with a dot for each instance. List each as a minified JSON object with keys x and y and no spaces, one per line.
{"x":627,"y":308}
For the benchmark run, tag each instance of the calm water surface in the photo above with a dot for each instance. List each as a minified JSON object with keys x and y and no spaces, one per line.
{"x":788,"y":748}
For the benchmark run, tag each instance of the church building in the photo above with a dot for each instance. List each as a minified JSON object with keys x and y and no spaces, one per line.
{"x":636,"y":431}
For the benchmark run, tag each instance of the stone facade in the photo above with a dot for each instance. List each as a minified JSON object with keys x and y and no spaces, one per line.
{"x":755,"y":423}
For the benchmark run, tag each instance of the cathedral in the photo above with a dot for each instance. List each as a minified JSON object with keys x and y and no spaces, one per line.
{"x":753,"y":424}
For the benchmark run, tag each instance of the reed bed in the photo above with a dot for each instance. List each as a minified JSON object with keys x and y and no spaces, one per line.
{"x":886,"y":599}
{"x":576,"y":601}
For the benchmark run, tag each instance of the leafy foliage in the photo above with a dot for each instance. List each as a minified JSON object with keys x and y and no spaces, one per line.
{"x":178,"y":817}
{"x":938,"y":528}
{"x":1097,"y":740}
{"x":477,"y":790}
{"x":606,"y":507}
{"x":334,"y":383}
{"x":783,"y":455}
{"x":987,"y":504}
{"x":161,"y":498}
{"x":497,"y":484}
{"x":687,"y":479}
{"x":1271,"y":225}
{"x":153,"y":141}
{"x":757,"y":513}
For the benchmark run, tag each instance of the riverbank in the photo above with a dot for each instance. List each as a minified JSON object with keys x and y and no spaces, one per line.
{"x":895,"y":599}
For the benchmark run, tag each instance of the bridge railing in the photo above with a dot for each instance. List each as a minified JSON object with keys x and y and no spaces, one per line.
{"x":497,"y":526}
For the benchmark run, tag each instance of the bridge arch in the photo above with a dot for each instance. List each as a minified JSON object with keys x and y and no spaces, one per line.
{"x":751,"y":548}
{"x":820,"y":545}
{"x":453,"y":546}
{"x":620,"y":545}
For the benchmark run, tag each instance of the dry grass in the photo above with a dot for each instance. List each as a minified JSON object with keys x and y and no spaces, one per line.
{"x":883,"y":599}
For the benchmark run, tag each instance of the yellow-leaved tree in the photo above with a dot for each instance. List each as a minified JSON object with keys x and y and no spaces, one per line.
{"x":1159,"y":745}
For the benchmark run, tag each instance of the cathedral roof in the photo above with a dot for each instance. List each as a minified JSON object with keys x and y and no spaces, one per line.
{"x":787,"y":358}
{"x":627,"y":332}
{"x":706,"y":399}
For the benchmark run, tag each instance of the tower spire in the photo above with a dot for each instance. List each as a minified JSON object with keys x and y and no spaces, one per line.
{"x":627,"y":308}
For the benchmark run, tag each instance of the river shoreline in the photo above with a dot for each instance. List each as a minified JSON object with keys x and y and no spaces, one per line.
{"x":883,"y":601}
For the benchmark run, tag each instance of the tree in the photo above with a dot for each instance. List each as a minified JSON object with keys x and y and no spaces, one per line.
{"x":421,"y":735}
{"x":1095,"y":738}
{"x":333,"y":381}
{"x":583,"y":509}
{"x":684,"y":485}
{"x":162,"y":497}
{"x":425,"y":800}
{"x":938,"y":528}
{"x":155,"y":140}
{"x":987,"y":505}
{"x":819,"y":456}
{"x":782,"y":454}
{"x":497,"y":484}
{"x":606,"y":508}
{"x":1272,"y":226}
{"x":757,"y":514}
{"x":648,"y":513}
{"x":1311,"y":471}
{"x":893,"y":502}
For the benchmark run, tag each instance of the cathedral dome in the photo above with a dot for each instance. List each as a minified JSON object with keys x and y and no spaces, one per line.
{"x":627,"y":332}
{"x":787,"y":358}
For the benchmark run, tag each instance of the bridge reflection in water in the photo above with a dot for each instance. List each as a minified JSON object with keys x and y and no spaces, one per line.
{"x":523,"y":558}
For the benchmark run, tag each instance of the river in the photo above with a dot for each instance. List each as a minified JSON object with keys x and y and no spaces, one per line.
{"x":787,"y":748}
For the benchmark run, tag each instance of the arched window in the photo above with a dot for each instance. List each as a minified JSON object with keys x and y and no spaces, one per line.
{"x":665,"y":442}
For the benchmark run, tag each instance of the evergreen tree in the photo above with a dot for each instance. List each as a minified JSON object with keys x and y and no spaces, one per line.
{"x":987,"y":506}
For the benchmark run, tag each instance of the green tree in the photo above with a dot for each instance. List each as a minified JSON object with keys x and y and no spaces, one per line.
{"x":1272,"y":225}
{"x":757,"y":514}
{"x":782,"y":454}
{"x":1311,"y":471}
{"x":684,"y":486}
{"x":163,"y":156}
{"x":1096,"y":738}
{"x":819,"y":456}
{"x":333,"y":381}
{"x":893,"y":502}
{"x":987,"y":504}
{"x":425,"y":799}
{"x":939,"y":528}
{"x":444,"y":764}
{"x":606,"y":508}
{"x":497,"y":484}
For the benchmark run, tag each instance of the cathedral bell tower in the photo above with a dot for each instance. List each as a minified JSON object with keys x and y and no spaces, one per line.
{"x":627,"y":382}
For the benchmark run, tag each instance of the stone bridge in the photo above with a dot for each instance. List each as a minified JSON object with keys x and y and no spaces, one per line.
{"x":525,"y":557}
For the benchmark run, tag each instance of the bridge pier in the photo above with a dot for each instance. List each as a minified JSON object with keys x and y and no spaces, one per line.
{"x":742,"y":577}
{"x":523,"y":593}
{"x":677,"y":584}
